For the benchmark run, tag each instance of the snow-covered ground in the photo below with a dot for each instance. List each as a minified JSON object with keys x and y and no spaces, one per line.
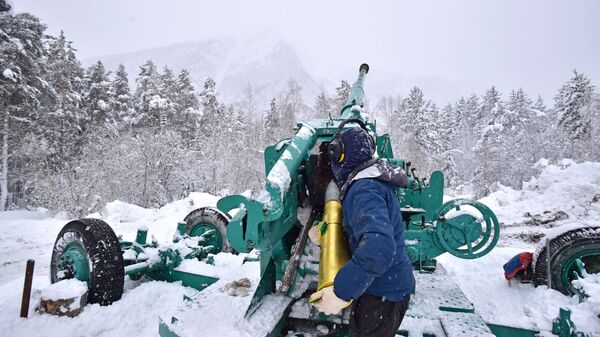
{"x":30,"y":235}
{"x":569,"y":188}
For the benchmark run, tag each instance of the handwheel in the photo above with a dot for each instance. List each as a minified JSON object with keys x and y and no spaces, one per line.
{"x":211,"y":225}
{"x":88,"y":250}
{"x":457,"y":226}
{"x":574,"y":254}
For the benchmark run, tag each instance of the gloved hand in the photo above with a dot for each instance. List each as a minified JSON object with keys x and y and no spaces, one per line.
{"x":327,"y":302}
{"x":313,"y":234}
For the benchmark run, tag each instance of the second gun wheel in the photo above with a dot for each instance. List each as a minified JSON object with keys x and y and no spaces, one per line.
{"x":573,"y":255}
{"x":88,"y":250}
{"x":211,"y":225}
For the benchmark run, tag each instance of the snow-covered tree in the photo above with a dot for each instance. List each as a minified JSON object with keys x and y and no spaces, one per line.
{"x":147,"y":90}
{"x":65,"y":121}
{"x":412,"y":126}
{"x":448,"y":136}
{"x":98,"y":98}
{"x":322,"y":108}
{"x":21,"y":84}
{"x":248,"y":103}
{"x":341,"y":97}
{"x":212,"y":110}
{"x":491,"y":106}
{"x":122,"y":100}
{"x":292,"y":106}
{"x":573,"y":104}
{"x":169,"y":95}
{"x":187,"y":105}
{"x":520,"y":140}
{"x":272,"y":123}
{"x":574,"y":110}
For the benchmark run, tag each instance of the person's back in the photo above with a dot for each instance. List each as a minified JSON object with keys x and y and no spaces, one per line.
{"x":372,"y":212}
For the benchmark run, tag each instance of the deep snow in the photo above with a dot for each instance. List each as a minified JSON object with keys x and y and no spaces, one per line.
{"x":568,"y":187}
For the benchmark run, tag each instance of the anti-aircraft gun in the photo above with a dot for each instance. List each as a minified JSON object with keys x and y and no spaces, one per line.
{"x":274,"y":224}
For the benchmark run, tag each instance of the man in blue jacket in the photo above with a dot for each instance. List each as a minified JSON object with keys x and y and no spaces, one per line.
{"x":378,"y":279}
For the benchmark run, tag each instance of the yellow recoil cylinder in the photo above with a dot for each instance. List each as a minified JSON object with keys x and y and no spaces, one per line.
{"x":334,"y":246}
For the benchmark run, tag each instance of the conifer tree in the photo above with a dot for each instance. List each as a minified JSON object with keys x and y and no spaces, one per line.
{"x":98,"y":98}
{"x":169,"y":96}
{"x":248,"y":103}
{"x":63,"y":125}
{"x":322,"y":107}
{"x":539,"y":105}
{"x":122,"y":100}
{"x":573,"y":104}
{"x":491,"y":106}
{"x":341,"y":97}
{"x":187,"y":106}
{"x":21,"y":85}
{"x":292,"y":106}
{"x":147,"y":90}
{"x":212,"y":111}
{"x":272,"y":123}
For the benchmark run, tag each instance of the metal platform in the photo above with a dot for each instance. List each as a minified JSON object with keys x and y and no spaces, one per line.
{"x":437,"y":309}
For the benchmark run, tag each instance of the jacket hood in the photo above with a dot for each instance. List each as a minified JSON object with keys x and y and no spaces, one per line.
{"x":376,"y":169}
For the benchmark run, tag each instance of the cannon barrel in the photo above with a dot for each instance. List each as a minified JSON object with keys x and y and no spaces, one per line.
{"x":356,"y":96}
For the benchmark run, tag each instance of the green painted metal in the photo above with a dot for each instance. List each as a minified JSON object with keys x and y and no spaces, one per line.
{"x":265,"y":286}
{"x":578,"y":266}
{"x":563,"y":326}
{"x":163,"y":329}
{"x":507,"y":331}
{"x":211,"y":236}
{"x":74,"y":262}
{"x":262,"y":223}
{"x":141,"y":236}
{"x":196,"y":281}
{"x":356,"y":96}
{"x":466,"y":229}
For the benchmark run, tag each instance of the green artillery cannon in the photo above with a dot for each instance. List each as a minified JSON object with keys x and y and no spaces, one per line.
{"x":274,"y":223}
{"x":89,"y":250}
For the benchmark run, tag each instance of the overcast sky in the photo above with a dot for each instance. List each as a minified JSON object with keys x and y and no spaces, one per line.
{"x":530,"y":44}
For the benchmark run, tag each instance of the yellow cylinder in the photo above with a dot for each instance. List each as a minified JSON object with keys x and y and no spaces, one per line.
{"x":334,"y":247}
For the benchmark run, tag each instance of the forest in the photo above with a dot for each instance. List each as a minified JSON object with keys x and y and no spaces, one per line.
{"x":75,"y":138}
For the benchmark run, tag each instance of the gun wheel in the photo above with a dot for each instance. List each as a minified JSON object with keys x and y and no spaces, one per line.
{"x":573,"y":255}
{"x":211,"y":224}
{"x":88,"y":250}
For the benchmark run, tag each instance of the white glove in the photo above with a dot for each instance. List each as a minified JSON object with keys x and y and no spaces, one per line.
{"x":327,"y":302}
{"x":314,"y":235}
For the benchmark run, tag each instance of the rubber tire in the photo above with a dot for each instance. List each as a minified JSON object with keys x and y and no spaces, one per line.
{"x":214,"y":217}
{"x":562,"y":248}
{"x":107,"y":273}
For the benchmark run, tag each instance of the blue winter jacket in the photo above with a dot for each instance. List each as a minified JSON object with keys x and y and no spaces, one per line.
{"x":373,"y":225}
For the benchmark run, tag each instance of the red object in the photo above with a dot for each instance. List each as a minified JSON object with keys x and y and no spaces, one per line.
{"x":519,"y":262}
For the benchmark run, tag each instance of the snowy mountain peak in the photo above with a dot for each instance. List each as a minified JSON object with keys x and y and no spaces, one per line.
{"x":266,"y":62}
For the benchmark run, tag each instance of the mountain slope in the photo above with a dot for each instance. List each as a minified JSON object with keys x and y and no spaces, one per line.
{"x":267,"y":62}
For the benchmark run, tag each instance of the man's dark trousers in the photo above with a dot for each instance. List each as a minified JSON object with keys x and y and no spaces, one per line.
{"x":373,"y":316}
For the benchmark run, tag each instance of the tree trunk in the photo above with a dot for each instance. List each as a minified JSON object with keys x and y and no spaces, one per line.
{"x":4,"y":172}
